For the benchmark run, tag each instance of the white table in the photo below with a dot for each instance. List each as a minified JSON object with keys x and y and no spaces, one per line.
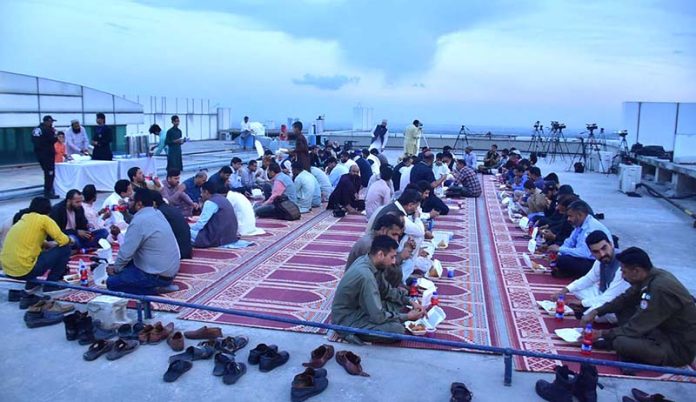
{"x":146,"y":164}
{"x":69,"y":175}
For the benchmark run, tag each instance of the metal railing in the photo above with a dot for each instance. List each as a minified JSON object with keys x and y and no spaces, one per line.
{"x":144,"y":311}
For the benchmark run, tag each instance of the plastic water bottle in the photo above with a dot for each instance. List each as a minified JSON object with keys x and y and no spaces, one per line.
{"x":413,"y":291}
{"x":435,"y":300}
{"x":586,"y":346}
{"x":84,"y":273}
{"x":430,"y":224}
{"x":560,"y":308}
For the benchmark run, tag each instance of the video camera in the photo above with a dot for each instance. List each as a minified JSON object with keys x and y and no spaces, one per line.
{"x":591,"y":126}
{"x":622,"y":133}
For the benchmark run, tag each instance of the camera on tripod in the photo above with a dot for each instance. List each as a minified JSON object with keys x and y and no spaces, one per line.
{"x":591,"y":126}
{"x":622,"y":133}
{"x":536,"y":125}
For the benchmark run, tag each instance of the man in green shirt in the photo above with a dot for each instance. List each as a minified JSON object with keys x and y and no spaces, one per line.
{"x":173,"y":141}
{"x":357,"y":302}
{"x":662,"y":332}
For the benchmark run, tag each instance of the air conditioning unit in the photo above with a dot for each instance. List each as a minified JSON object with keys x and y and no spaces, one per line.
{"x":629,"y":177}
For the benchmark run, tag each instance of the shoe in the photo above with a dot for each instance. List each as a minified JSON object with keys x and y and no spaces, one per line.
{"x":176,"y":341}
{"x":97,"y":349}
{"x":85,"y":331}
{"x":131,"y":332}
{"x":14,"y":295}
{"x":160,"y":333}
{"x":351,"y":362}
{"x":460,"y":393}
{"x":221,"y":361}
{"x":260,"y":350}
{"x":194,"y":353}
{"x":233,"y":372}
{"x":101,"y":334}
{"x":204,"y":333}
{"x":272,"y":359}
{"x":176,"y":369}
{"x":305,"y":386}
{"x":121,"y":348}
{"x":585,"y":386}
{"x":42,"y":319}
{"x":144,"y":334}
{"x":71,"y":324}
{"x":560,"y":390}
{"x":51,"y":306}
{"x":167,"y":289}
{"x":29,"y":300}
{"x":231,"y":344}
{"x":641,"y":396}
{"x":320,"y":356}
{"x":318,"y":373}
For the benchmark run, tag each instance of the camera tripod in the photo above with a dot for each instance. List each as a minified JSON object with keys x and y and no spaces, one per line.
{"x":621,"y":155}
{"x":464,"y":130}
{"x":554,"y":146}
{"x":537,"y":142}
{"x":587,"y":149}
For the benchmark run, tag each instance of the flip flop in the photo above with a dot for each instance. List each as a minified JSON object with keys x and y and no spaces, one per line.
{"x":97,"y":349}
{"x":221,"y":361}
{"x":232,"y":344}
{"x":176,"y":369}
{"x":121,"y":348}
{"x":233,"y":372}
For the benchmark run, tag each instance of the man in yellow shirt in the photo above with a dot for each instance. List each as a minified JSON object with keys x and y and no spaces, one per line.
{"x":22,"y":256}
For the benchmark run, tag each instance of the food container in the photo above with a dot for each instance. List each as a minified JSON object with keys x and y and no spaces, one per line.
{"x":550,"y":307}
{"x":435,"y":270}
{"x":73,"y":279}
{"x":413,"y":331}
{"x":569,"y":335}
{"x":433,"y":318}
{"x":426,"y":284}
{"x":523,"y":223}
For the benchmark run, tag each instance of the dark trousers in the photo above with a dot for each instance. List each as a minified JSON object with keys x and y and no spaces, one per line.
{"x":54,"y":260}
{"x":654,"y":348}
{"x":433,"y":202}
{"x":266,"y":211}
{"x":136,"y":281}
{"x":48,"y":166}
{"x":573,"y":267}
{"x":84,"y":243}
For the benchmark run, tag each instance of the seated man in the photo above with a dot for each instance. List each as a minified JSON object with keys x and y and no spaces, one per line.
{"x":604,"y":281}
{"x":138,"y":179}
{"x":423,"y":170}
{"x":345,"y":195}
{"x":574,"y":257}
{"x":117,"y":202}
{"x":304,"y":186}
{"x":346,"y":160}
{"x":440,"y":168}
{"x":557,"y":229}
{"x":177,"y":222}
{"x":535,"y":204}
{"x":357,"y":302}
{"x":466,"y":182}
{"x":148,"y":259}
{"x":26,"y":254}
{"x":470,"y":157}
{"x":535,"y":176}
{"x":217,"y":225}
{"x":490,"y":161}
{"x":70,"y":218}
{"x":244,"y":211}
{"x":222,"y":177}
{"x":282,"y":185}
{"x":335,"y":171}
{"x":324,"y":183}
{"x":194,"y":184}
{"x":175,"y":194}
{"x":250,"y":178}
{"x":379,"y":193}
{"x":235,"y":182}
{"x":662,"y":331}
{"x":365,"y":167}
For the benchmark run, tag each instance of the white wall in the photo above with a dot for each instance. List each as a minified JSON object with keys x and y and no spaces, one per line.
{"x":198,"y":120}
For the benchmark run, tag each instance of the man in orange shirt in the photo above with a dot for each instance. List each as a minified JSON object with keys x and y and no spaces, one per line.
{"x":61,"y":154}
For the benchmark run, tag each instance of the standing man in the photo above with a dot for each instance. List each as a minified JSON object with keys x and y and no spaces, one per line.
{"x":76,"y":139}
{"x":173,"y":141}
{"x":102,"y":140}
{"x":301,"y":146}
{"x":412,"y":138}
{"x":43,"y":138}
{"x":380,"y":136}
{"x":246,"y":139}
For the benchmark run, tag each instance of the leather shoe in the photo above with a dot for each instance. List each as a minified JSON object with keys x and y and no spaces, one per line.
{"x":51,"y":307}
{"x":176,"y":341}
{"x":260,"y":350}
{"x":159,"y":333}
{"x":305,"y":386}
{"x":272,"y":359}
{"x":204,"y":333}
{"x":351,"y":362}
{"x":320,"y":356}
{"x":460,"y":393}
{"x":318,"y":373}
{"x":641,"y":396}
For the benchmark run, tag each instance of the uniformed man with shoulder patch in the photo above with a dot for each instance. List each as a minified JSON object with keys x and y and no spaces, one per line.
{"x":43,"y":138}
{"x":662,"y":331}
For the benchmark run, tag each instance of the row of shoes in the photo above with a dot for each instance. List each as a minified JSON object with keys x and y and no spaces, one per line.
{"x":568,"y":384}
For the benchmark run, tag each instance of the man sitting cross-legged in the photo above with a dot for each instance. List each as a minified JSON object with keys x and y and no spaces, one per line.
{"x":175,"y":194}
{"x":177,"y":222}
{"x":357,"y":302}
{"x":148,"y":259}
{"x":217,"y":225}
{"x":604,"y":281}
{"x":71,"y":219}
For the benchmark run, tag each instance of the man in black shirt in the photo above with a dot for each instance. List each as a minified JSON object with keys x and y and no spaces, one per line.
{"x":423,"y":170}
{"x":176,"y":220}
{"x":43,"y":138}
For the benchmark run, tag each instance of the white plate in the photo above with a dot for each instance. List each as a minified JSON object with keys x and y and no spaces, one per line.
{"x":570,"y":335}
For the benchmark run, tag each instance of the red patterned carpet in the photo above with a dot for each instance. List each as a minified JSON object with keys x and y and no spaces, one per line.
{"x":209,"y":267}
{"x":299,"y":280}
{"x":529,"y":327}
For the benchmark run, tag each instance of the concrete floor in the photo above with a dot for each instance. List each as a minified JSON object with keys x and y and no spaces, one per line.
{"x":40,"y":364}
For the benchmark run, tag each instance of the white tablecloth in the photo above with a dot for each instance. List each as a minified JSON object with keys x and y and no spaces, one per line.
{"x":69,"y":175}
{"x":147,"y":165}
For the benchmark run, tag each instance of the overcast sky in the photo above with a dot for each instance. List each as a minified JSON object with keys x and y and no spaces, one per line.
{"x":492,"y":62}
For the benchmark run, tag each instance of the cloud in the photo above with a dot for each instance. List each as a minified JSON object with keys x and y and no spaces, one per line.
{"x":325,"y":82}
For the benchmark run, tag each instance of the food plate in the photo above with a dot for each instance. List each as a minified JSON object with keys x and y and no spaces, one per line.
{"x":415,"y":327}
{"x":550,"y":307}
{"x":426,"y":284}
{"x":570,"y":335}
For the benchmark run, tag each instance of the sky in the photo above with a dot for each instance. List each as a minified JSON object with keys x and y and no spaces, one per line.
{"x":492,"y":62}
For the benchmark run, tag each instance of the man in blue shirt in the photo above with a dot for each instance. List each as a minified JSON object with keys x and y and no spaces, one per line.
{"x":194,"y":185}
{"x":574,"y":256}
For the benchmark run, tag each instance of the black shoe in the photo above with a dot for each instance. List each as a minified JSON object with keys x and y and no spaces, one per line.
{"x":42,"y":319}
{"x":305,"y":386}
{"x":560,"y":390}
{"x":460,"y":393}
{"x":85,"y":331}
{"x":71,"y":324}
{"x":29,"y":300}
{"x":14,"y":295}
{"x":585,"y":386}
{"x":261,"y":349}
{"x":273,"y":359}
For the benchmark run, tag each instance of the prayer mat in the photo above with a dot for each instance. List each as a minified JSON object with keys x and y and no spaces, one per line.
{"x":529,"y":327}
{"x":209,"y":267}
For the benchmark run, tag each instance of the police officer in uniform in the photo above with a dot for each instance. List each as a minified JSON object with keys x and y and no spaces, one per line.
{"x":662,"y":331}
{"x":43,"y":138}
